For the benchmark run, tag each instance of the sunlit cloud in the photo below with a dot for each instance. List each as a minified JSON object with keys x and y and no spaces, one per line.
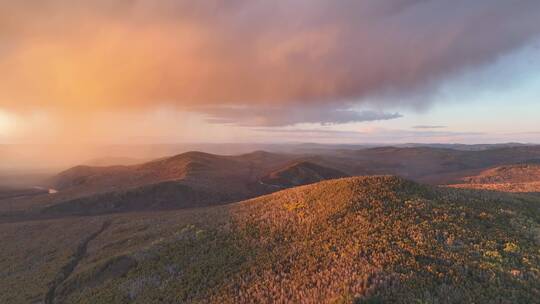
{"x":242,"y":63}
{"x":192,"y":54}
{"x":427,"y":127}
{"x":280,"y":116}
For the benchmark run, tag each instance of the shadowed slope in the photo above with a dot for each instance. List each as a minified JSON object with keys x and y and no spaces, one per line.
{"x":300,"y":173}
{"x":203,"y":179}
{"x":190,"y":164}
{"x":192,"y":179}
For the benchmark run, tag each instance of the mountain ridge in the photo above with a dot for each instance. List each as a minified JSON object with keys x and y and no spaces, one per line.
{"x":355,"y":240}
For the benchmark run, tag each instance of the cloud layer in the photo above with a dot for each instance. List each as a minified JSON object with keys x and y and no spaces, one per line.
{"x":427,"y":127}
{"x":377,"y":135}
{"x":278,"y":116}
{"x":262,"y":57}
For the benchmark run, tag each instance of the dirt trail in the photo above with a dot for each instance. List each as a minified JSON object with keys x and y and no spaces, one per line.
{"x":67,"y":269}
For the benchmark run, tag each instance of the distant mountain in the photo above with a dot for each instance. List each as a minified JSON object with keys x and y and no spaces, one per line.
{"x":300,"y":173}
{"x":521,"y":173}
{"x":430,"y":165}
{"x":196,"y":179}
{"x":376,"y":239}
{"x":193,"y":168}
{"x":511,"y":178}
{"x":464,"y":147}
{"x":192,"y":179}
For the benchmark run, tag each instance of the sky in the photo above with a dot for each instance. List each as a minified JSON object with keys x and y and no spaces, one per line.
{"x":346,"y":71}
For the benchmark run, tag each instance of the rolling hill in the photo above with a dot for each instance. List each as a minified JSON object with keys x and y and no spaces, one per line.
{"x":356,"y":240}
{"x":300,"y":173}
{"x":512,"y":178}
{"x":196,"y":179}
{"x":188,"y":180}
{"x":521,"y":173}
{"x":426,"y":164}
{"x":430,"y":165}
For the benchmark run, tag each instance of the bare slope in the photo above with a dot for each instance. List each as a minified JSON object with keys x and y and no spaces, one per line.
{"x":354,"y":240}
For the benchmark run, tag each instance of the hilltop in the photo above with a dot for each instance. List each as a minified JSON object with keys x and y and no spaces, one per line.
{"x":418,"y":163}
{"x":353,"y":240}
{"x":300,"y":173}
{"x":188,"y":180}
{"x":197,"y":179}
{"x":433,"y":165}
{"x":191,"y":179}
{"x":521,"y":173}
{"x":512,"y":178}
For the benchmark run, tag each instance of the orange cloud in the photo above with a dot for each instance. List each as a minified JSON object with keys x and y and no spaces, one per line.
{"x":80,"y":56}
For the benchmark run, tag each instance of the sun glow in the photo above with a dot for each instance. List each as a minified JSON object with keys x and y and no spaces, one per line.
{"x":7,"y":123}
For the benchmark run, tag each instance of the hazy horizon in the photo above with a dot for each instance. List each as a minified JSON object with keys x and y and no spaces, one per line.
{"x":50,"y":159}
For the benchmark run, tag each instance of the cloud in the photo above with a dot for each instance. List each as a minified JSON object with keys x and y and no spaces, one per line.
{"x":377,"y":135}
{"x":428,"y":127}
{"x":324,"y":132}
{"x":277,"y":116}
{"x":256,"y":54}
{"x":305,"y":135}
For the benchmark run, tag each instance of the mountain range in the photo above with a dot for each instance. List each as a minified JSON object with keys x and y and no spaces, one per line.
{"x":264,"y":227}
